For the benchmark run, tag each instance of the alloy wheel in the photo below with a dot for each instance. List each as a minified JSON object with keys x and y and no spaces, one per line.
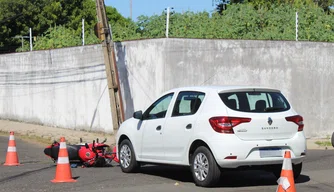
{"x":125,"y":156}
{"x":201,"y":166}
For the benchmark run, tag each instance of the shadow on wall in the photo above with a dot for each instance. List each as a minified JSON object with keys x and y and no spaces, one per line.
{"x":124,"y":81}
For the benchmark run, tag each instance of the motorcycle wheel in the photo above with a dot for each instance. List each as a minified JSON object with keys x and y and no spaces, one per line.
{"x":100,"y":162}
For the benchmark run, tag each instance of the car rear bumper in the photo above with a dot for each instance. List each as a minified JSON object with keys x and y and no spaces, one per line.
{"x":231,"y":152}
{"x":257,"y":162}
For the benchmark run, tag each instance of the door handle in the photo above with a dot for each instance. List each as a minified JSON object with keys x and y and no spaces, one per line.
{"x":158,"y":128}
{"x":189,"y":126}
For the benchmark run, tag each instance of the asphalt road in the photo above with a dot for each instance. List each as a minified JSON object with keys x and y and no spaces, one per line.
{"x":37,"y":171}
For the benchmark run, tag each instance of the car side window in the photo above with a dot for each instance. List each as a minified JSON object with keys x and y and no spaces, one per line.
{"x":187,"y":103}
{"x":159,"y":108}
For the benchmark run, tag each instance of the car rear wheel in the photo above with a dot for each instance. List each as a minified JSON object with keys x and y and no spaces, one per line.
{"x":204,"y":168}
{"x":297,"y":169}
{"x":127,"y":158}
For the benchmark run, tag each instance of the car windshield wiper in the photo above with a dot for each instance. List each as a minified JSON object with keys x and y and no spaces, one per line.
{"x":273,"y":109}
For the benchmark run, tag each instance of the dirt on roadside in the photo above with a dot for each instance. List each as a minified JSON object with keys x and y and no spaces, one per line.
{"x":46,"y":135}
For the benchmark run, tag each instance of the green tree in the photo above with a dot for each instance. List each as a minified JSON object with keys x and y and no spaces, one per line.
{"x":16,"y":17}
{"x":122,"y":28}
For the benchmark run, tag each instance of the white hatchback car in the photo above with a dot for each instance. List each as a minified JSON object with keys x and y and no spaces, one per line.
{"x":210,"y":128}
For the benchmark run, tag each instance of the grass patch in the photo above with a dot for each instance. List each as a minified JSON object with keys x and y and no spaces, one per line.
{"x":324,"y":143}
{"x":29,"y":138}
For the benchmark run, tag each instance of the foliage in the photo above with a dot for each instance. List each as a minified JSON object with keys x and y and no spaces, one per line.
{"x":122,"y":28}
{"x":246,"y":21}
{"x":16,"y":17}
{"x":57,"y":23}
{"x":258,"y":4}
{"x":60,"y":36}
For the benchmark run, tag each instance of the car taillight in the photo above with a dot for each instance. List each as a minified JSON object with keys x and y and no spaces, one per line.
{"x":226,"y":124}
{"x":298,"y":120}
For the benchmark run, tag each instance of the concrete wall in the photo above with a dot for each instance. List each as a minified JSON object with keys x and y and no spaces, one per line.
{"x":62,"y":87}
{"x":304,"y":71}
{"x":66,"y":87}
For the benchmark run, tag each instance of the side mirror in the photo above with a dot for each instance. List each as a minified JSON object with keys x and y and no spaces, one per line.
{"x":86,"y":145}
{"x":138,"y":115}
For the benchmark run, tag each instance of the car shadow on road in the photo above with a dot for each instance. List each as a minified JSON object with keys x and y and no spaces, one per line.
{"x":228,"y":178}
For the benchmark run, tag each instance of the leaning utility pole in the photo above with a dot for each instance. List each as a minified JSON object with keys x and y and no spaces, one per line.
{"x":103,"y":32}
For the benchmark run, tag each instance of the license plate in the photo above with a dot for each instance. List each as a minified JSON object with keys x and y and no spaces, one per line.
{"x":270,"y":152}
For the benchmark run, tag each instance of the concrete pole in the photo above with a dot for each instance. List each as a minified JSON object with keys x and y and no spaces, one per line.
{"x":22,"y":42}
{"x":83,"y":32}
{"x":110,"y":31}
{"x":131,"y":9}
{"x":296,"y":26}
{"x":167,"y":22}
{"x":30,"y":39}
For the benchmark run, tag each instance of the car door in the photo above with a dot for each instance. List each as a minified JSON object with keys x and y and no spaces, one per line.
{"x":153,"y":124}
{"x":180,"y":125}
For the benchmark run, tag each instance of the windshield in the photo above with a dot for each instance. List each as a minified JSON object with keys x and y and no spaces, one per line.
{"x":255,"y":101}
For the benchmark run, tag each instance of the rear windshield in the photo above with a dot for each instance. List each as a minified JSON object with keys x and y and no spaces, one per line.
{"x":252,"y":101}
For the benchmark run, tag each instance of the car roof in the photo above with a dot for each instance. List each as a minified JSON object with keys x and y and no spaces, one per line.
{"x":223,"y":88}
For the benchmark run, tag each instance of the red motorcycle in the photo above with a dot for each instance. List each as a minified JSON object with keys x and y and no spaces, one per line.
{"x":87,"y":154}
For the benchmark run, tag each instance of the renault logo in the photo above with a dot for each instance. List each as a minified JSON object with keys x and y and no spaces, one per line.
{"x":270,"y":121}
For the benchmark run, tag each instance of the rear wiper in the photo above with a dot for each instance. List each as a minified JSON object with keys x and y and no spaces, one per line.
{"x":273,"y":109}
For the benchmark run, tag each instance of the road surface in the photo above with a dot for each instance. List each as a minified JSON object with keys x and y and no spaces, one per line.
{"x":37,"y":171}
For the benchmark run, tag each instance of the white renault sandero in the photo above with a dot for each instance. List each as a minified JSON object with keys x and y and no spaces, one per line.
{"x":210,"y":128}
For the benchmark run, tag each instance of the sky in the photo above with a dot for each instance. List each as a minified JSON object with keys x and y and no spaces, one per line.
{"x":151,"y":7}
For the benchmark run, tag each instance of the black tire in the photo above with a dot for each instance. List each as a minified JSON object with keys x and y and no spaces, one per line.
{"x":332,"y":139}
{"x":276,"y":170}
{"x":213,"y":171}
{"x":297,"y":169}
{"x":126,"y":166}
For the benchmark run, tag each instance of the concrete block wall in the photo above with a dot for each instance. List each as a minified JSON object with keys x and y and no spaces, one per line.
{"x":304,"y":71}
{"x":62,"y":88}
{"x":67,"y":87}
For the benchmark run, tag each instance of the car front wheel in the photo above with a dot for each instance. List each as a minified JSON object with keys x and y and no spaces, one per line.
{"x":127,"y":158}
{"x":204,"y":168}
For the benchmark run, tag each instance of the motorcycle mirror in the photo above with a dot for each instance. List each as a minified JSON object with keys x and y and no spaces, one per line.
{"x":97,"y":140}
{"x":93,"y":143}
{"x":104,"y":140}
{"x":86,"y":145}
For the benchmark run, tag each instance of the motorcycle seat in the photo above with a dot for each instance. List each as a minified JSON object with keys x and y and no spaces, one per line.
{"x":73,"y":152}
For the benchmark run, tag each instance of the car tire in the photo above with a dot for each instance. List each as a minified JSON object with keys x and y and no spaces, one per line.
{"x":127,"y":157}
{"x":203,"y":158}
{"x":297,"y":169}
{"x":332,"y":139}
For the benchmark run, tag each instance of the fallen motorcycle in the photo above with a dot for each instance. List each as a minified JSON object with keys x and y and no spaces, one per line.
{"x":93,"y":154}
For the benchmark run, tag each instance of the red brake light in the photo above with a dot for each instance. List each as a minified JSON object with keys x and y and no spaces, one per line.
{"x":226,"y":124}
{"x":298,"y":120}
